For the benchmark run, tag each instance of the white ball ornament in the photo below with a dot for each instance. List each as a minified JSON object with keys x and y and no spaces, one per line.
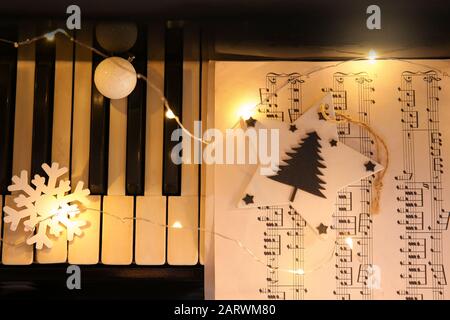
{"x":115,"y":78}
{"x":116,"y":37}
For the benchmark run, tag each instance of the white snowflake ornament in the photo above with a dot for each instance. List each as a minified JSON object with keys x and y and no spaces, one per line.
{"x":48,"y":207}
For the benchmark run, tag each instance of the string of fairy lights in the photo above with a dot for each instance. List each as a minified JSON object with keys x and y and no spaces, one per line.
{"x":170,"y":114}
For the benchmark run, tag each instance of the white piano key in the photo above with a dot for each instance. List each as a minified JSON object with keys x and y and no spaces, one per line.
{"x":183,"y":210}
{"x":150,"y":239}
{"x":62,"y":112}
{"x":117,"y":147}
{"x":117,"y":233}
{"x":84,"y":249}
{"x":117,"y":236}
{"x":182,"y":244}
{"x":23,"y":126}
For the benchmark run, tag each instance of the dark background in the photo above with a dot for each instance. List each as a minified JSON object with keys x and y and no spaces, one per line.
{"x":279,"y":29}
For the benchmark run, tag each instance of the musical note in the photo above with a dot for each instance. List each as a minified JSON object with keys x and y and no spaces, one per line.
{"x":352,"y":216}
{"x":345,"y":203}
{"x":344,"y":275}
{"x":438,"y":272}
{"x":410,"y":118}
{"x":421,"y":243}
{"x":283,"y":233}
{"x":406,"y":176}
{"x":419,"y":195}
{"x":408,"y":97}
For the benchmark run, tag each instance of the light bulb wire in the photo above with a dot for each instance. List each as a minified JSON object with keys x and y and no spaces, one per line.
{"x":236,"y":241}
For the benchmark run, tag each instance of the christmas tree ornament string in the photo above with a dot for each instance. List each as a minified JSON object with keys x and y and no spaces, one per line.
{"x":341,"y":117}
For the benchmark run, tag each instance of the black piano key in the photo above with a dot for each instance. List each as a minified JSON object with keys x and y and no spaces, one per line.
{"x":8,"y":68}
{"x":99,"y":139}
{"x":43,"y":106}
{"x":173,"y":90}
{"x":137,"y":103}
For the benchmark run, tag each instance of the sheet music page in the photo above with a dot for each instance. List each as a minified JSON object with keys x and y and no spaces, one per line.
{"x":403,"y":251}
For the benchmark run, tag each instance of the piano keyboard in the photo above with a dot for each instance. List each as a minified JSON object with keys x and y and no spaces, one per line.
{"x":51,"y":111}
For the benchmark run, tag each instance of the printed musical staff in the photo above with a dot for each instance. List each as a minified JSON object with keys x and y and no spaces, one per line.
{"x":344,"y":253}
{"x":284,"y":233}
{"x":439,"y":273}
{"x":352,"y":215}
{"x":410,"y":118}
{"x":408,"y":97}
{"x":365,"y":223}
{"x":295,"y":108}
{"x":419,"y":214}
{"x":409,"y":295}
{"x":413,"y":221}
{"x":411,"y":197}
{"x":415,"y":275}
{"x":422,"y":246}
{"x":443,"y":219}
{"x":272,"y":217}
{"x":272,"y":245}
{"x":345,"y":226}
{"x":344,"y":275}
{"x":364,"y":273}
{"x":345,"y":203}
{"x":415,"y":248}
{"x":269,"y":96}
{"x":400,"y":252}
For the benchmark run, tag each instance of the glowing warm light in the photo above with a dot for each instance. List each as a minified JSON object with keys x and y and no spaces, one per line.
{"x":298,"y":271}
{"x":349,"y":242}
{"x":372,"y":57}
{"x":246,"y":111}
{"x":177,"y":225}
{"x":68,"y":210}
{"x":49,"y":206}
{"x":50,"y":36}
{"x":115,"y":78}
{"x":170,"y":114}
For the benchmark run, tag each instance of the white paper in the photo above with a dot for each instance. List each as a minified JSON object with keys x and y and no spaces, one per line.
{"x":341,"y":166}
{"x":390,"y":255}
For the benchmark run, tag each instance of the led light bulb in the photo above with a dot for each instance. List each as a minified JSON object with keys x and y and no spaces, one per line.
{"x":298,"y":271}
{"x":349,"y":242}
{"x":50,"y":36}
{"x":177,"y":225}
{"x":246,"y":111}
{"x":372,"y":56}
{"x":170,"y":114}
